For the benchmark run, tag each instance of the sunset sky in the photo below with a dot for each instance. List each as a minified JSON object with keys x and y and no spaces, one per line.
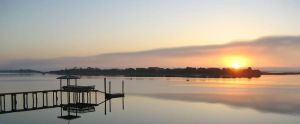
{"x":34,"y":30}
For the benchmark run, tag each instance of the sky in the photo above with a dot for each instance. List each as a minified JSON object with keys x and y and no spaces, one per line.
{"x":50,"y":29}
{"x":276,"y":53}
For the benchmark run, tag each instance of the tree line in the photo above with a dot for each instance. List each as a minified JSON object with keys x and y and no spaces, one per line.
{"x":163,"y":72}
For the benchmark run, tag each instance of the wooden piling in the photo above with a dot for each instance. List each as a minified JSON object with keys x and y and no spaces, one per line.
{"x":109,"y":105}
{"x":46,"y":98}
{"x":43,"y":99}
{"x":90,"y":97}
{"x":73,"y":97}
{"x":56,"y":98}
{"x":12,"y":102}
{"x":109,"y":87}
{"x":36,"y":100}
{"x":0,"y":103}
{"x":53,"y":98}
{"x":27,"y":102}
{"x":82,"y":97}
{"x":87,"y":97}
{"x":24,"y":101}
{"x":4,"y":107}
{"x":105,"y":106}
{"x":105,"y":85}
{"x":16,"y":101}
{"x":123,"y":86}
{"x":68,"y":95}
{"x":95,"y":97}
{"x":32,"y":100}
{"x":60,"y":81}
{"x":123,"y":106}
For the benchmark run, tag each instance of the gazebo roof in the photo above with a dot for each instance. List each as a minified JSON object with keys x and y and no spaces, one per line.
{"x":68,"y":77}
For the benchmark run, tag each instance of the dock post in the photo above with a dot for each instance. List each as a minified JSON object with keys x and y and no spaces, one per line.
{"x":46,"y":98}
{"x":16,"y":101}
{"x":0,"y":103}
{"x":60,"y":84}
{"x":53,"y":98}
{"x":68,"y":97}
{"x":87,"y":97}
{"x":82,"y":97}
{"x":105,"y":106}
{"x":32,"y":99}
{"x":68,"y":92}
{"x":95,"y":97}
{"x":78,"y":97}
{"x":4,"y":103}
{"x":36,"y":100}
{"x":12,"y":102}
{"x":26,"y":97}
{"x":110,"y":105}
{"x":123,"y":106}
{"x":43,"y":99}
{"x":56,"y":97}
{"x":60,"y":92}
{"x":24,"y":100}
{"x":122,"y":86}
{"x":61,"y":102}
{"x":27,"y":102}
{"x":109,"y":87}
{"x":73,"y":98}
{"x":90,"y":97}
{"x":105,"y":85}
{"x":76,"y":82}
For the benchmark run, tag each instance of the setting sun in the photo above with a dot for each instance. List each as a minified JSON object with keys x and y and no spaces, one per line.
{"x":236,"y":61}
{"x":236,"y":65}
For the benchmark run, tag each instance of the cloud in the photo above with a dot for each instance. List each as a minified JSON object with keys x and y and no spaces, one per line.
{"x":275,"y":51}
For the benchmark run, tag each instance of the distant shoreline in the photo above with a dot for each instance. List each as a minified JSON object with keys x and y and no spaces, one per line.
{"x":21,"y":71}
{"x":159,"y":72}
{"x":280,"y":73}
{"x":164,"y":72}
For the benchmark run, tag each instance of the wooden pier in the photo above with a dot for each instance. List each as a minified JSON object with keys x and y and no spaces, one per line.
{"x":71,"y":98}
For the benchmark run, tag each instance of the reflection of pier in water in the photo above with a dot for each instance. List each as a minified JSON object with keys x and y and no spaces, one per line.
{"x":78,"y":99}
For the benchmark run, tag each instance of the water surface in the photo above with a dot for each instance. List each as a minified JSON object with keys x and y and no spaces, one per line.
{"x":265,"y":100}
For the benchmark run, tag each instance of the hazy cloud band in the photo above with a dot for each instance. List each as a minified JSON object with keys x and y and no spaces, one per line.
{"x":276,"y":51}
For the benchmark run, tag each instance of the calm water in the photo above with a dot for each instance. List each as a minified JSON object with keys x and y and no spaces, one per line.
{"x":265,"y":100}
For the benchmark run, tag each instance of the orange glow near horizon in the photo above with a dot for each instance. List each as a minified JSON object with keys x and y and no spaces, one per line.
{"x":236,"y":61}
